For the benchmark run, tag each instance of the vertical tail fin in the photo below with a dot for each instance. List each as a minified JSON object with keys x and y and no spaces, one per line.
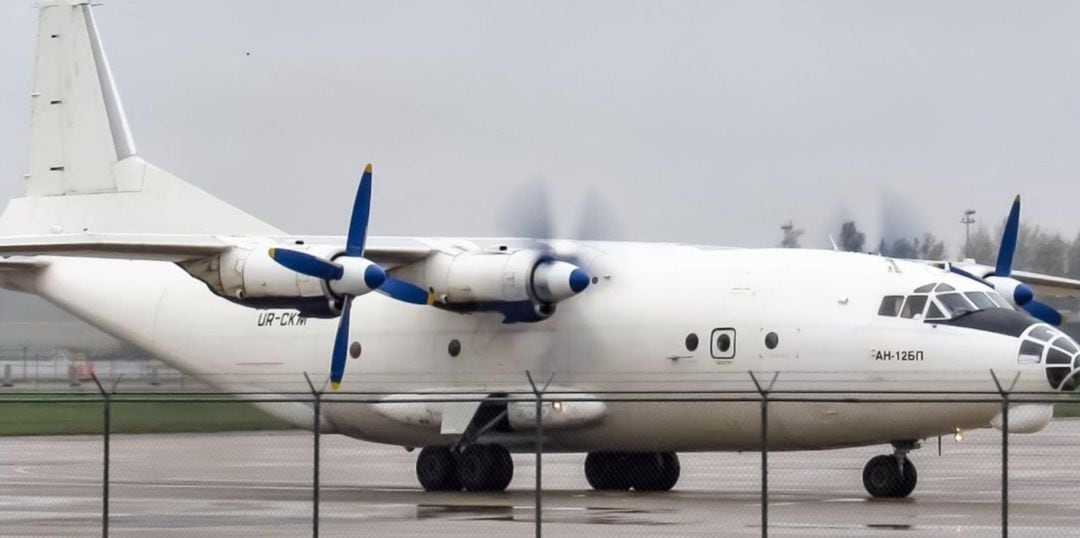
{"x":83,"y":173}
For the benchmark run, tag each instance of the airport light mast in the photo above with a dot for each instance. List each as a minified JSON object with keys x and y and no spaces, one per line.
{"x":967,"y":220}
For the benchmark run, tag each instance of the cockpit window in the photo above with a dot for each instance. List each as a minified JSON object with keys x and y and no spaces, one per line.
{"x":1054,"y":356}
{"x":980,"y":299}
{"x":1071,"y":384}
{"x":934,"y":313}
{"x":1065,"y":344}
{"x":914,"y":306}
{"x":955,"y":304}
{"x":1001,"y":302}
{"x":890,"y":305}
{"x":939,"y":301}
{"x":1030,"y":353}
{"x":1042,"y":333}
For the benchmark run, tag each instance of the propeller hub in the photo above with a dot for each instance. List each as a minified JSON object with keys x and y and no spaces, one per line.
{"x":554,"y":281}
{"x":358,"y":276}
{"x":579,"y":280}
{"x":1023,"y":295}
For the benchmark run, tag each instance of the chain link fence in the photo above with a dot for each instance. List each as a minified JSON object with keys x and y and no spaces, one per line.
{"x":198,"y":463}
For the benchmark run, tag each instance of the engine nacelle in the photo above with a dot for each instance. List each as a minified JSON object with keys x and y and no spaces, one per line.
{"x":1014,"y":291}
{"x":252,"y":273}
{"x":249,"y":276}
{"x":492,"y":281}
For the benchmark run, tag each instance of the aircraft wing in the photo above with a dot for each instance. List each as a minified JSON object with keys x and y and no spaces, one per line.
{"x":1049,"y":285}
{"x":1044,"y":285}
{"x":389,"y":252}
{"x":130,"y":247}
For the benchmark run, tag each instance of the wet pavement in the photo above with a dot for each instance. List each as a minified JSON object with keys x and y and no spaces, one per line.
{"x":259,"y":484}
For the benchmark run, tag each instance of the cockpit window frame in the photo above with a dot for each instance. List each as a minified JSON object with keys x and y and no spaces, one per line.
{"x":956,"y":302}
{"x":976,"y":296}
{"x":934,"y":312}
{"x":909,"y":311}
{"x":891,"y":305}
{"x":951,"y":311}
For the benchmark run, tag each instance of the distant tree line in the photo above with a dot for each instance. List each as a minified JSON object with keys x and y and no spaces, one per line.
{"x":1037,"y":249}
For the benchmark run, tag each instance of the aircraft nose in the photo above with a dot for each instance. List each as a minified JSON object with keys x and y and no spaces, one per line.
{"x":1044,"y":344}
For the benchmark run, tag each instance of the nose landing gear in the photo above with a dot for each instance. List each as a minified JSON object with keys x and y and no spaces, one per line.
{"x":891,"y":475}
{"x":474,"y":468}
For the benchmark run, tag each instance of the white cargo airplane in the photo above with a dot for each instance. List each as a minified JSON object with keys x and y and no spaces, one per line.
{"x":211,"y":290}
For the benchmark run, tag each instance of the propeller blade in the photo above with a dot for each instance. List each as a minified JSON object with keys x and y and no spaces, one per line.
{"x":406,"y":291}
{"x":358,"y":223}
{"x":961,"y":272}
{"x":1008,"y":241}
{"x":527,"y":212}
{"x":306,"y":264}
{"x":597,"y":220}
{"x":341,"y":345}
{"x":1044,"y":312}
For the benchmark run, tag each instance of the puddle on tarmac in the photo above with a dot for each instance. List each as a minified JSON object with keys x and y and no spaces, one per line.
{"x":873,"y":526}
{"x":585,"y":515}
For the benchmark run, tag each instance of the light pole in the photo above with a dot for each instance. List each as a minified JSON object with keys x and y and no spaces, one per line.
{"x":967,"y":221}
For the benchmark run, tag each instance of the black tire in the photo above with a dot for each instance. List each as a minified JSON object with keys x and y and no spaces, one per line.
{"x":485,"y":468}
{"x":888,"y":477}
{"x":502,"y":471}
{"x":606,"y":471}
{"x":657,"y":471}
{"x":436,"y":469}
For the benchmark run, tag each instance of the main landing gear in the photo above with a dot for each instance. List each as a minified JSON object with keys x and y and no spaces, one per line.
{"x":642,"y":471}
{"x":473,"y":468}
{"x":891,"y":475}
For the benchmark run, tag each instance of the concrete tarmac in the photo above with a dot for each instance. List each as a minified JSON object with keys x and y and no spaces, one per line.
{"x":259,"y":484}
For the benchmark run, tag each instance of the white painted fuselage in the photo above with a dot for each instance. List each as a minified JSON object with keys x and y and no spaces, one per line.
{"x":627,"y":332}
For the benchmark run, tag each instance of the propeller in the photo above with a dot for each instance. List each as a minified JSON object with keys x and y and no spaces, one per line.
{"x":1019,"y":294}
{"x":529,"y":213}
{"x":350,"y":274}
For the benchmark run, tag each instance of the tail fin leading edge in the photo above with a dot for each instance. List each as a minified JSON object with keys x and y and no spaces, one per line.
{"x":83,"y":172}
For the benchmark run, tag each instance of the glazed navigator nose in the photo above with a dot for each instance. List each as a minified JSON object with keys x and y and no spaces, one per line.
{"x":1047,"y":345}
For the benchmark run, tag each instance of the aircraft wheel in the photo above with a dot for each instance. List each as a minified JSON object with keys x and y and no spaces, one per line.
{"x":889,"y":477}
{"x":655,"y":471}
{"x":485,"y":468}
{"x":607,"y":471}
{"x":436,"y":469}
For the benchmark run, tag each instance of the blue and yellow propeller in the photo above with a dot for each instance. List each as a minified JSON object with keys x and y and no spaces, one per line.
{"x":350,"y":275}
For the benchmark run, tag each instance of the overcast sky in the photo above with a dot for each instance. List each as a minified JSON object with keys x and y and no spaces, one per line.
{"x":704,"y":122}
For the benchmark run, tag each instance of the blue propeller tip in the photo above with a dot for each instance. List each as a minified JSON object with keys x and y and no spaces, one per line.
{"x":578,"y":280}
{"x":374,"y":276}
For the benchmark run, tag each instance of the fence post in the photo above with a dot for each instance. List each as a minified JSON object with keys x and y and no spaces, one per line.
{"x":1004,"y":450}
{"x":764,"y":392}
{"x":537,"y":500}
{"x":106,"y":426}
{"x":316,"y":428}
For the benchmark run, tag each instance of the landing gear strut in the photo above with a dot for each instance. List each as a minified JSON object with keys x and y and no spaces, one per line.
{"x":474,"y":468}
{"x":642,"y":471}
{"x":891,"y":475}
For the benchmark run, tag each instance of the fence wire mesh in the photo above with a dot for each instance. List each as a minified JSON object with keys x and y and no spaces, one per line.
{"x":198,"y":462}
